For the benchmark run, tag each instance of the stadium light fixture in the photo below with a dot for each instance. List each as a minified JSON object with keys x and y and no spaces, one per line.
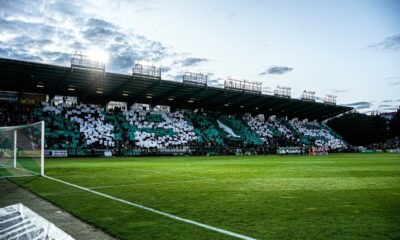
{"x":330,"y":99}
{"x":226,"y":105}
{"x":99,"y":91}
{"x":71,"y":89}
{"x":170,"y":99}
{"x":190,"y":101}
{"x":39,"y":86}
{"x":79,"y":60}
{"x":125,"y":94}
{"x":197,"y":79}
{"x":243,"y":85}
{"x":149,"y":97}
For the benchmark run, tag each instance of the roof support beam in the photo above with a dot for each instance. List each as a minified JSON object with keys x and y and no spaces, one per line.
{"x":144,"y":91}
{"x":167,"y":94}
{"x":93,"y":84}
{"x":61,"y":83}
{"x":120,"y":88}
{"x":226,"y":100}
{"x":211,"y":96}
{"x":249,"y":101}
{"x":316,"y":109}
{"x":190,"y":95}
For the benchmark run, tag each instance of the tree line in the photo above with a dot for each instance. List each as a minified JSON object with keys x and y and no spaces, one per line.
{"x":361,"y":129}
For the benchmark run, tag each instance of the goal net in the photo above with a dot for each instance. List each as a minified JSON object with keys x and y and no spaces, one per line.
{"x":22,"y":150}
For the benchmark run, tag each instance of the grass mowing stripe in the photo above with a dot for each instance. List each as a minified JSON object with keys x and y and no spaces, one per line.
{"x":170,"y":173}
{"x":202,"y":225}
{"x":145,"y":184}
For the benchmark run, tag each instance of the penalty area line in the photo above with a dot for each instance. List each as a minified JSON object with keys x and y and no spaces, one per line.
{"x":202,"y":225}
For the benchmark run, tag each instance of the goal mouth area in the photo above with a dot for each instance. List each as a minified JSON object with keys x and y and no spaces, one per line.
{"x":22,"y":150}
{"x":25,"y":168}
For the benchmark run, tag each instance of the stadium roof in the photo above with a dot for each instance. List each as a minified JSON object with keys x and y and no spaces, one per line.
{"x":102,"y":87}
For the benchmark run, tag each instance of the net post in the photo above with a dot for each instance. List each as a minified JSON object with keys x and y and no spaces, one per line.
{"x":42,"y":150}
{"x":15,"y":149}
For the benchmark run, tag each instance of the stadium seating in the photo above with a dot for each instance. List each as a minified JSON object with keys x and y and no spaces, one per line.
{"x":319,"y":135}
{"x":158,"y":129}
{"x":295,"y":132}
{"x":206,"y":132}
{"x":242,"y":131}
{"x":89,"y":118}
{"x":271,"y":130}
{"x":82,"y":127}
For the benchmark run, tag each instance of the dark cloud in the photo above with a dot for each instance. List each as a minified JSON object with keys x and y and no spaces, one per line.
{"x":36,"y":26}
{"x":193,"y":61}
{"x":77,"y":46}
{"x":389,"y":109}
{"x":178,"y":78}
{"x":153,"y":51}
{"x":391,"y":43}
{"x":122,"y":58}
{"x":29,"y":42}
{"x":37,"y":30}
{"x":3,"y":52}
{"x":64,"y":7}
{"x":338,"y":91}
{"x":385,"y":106}
{"x":276,"y":70}
{"x":98,"y":30}
{"x":24,"y":56}
{"x":57,"y":57}
{"x":391,"y":78}
{"x":165,"y":69}
{"x":18,"y":8}
{"x":359,"y":105}
{"x":99,"y":23}
{"x":122,"y":62}
{"x":219,"y":82}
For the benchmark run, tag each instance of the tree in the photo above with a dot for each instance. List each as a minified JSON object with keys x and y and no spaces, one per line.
{"x":360,"y":129}
{"x":395,"y":125}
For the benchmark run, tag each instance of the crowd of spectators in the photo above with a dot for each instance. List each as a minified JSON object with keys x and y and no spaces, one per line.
{"x":90,"y":118}
{"x":92,"y":127}
{"x":320,"y":136}
{"x":12,"y":113}
{"x":393,"y":143}
{"x":160,"y":129}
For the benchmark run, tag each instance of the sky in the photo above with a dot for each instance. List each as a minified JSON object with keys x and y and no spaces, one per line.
{"x":348,"y":48}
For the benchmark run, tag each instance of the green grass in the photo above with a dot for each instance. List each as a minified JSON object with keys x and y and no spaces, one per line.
{"x":25,"y":166}
{"x":340,"y":196}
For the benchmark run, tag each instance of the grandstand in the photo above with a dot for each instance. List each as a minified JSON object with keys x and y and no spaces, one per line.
{"x":198,"y":116}
{"x":86,"y":112}
{"x":75,"y":102}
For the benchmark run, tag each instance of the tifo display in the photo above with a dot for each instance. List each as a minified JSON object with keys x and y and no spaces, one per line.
{"x":88,"y":129}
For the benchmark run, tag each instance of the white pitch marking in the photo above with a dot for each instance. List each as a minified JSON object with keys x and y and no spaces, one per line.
{"x":225,"y":232}
{"x":17,"y":176}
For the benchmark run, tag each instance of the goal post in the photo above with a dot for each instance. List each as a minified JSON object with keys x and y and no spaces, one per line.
{"x":22,"y":150}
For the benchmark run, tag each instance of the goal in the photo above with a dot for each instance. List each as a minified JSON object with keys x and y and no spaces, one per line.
{"x":22,"y":150}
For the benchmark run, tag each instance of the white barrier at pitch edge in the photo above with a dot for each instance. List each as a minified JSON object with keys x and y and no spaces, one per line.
{"x":19,"y":222}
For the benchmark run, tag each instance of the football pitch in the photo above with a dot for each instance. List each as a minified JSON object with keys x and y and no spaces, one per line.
{"x":340,"y":196}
